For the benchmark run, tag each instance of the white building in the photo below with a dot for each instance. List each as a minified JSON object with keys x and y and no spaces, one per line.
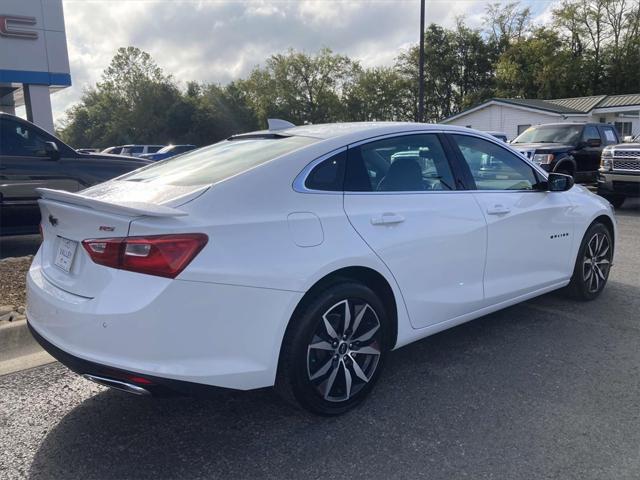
{"x":33,"y":57}
{"x":514,"y":115}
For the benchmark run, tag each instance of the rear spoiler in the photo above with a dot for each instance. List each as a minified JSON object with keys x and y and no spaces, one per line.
{"x":121,"y":208}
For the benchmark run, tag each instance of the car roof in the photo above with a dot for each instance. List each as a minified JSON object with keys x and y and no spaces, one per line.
{"x":354,"y":131}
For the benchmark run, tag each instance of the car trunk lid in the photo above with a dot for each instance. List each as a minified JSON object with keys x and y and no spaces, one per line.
{"x":105,"y":211}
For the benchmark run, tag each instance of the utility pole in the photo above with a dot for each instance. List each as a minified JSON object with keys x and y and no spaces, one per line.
{"x":421,"y":75}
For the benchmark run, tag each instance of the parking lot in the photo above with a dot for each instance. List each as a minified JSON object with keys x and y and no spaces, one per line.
{"x":545,"y":389}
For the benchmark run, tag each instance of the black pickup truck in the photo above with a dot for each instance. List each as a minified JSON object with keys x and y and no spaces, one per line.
{"x":570,"y":148}
{"x":31,"y":158}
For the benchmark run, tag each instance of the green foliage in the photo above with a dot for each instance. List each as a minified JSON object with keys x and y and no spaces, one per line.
{"x":591,"y":47}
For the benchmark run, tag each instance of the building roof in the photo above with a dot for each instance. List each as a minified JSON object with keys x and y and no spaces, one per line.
{"x":564,"y":106}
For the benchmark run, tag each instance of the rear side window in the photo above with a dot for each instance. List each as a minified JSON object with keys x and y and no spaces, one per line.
{"x":409,"y":163}
{"x":328,"y":175}
{"x":219,"y":161}
{"x":610,"y":137}
{"x":153,"y":149}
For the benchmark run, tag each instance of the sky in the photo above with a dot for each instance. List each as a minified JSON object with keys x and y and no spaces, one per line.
{"x":218,"y":41}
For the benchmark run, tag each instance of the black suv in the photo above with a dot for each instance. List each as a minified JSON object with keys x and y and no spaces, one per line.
{"x":32,"y":158}
{"x":570,"y":148}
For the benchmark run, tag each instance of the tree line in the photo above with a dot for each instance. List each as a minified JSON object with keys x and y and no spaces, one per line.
{"x":589,"y":47}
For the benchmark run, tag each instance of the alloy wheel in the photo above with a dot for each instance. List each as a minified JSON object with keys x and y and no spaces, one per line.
{"x":596,"y":262}
{"x":345,"y":350}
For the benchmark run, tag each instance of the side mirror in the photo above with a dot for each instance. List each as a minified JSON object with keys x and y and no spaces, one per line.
{"x":559,"y":182}
{"x":51,"y":150}
{"x":594,"y":142}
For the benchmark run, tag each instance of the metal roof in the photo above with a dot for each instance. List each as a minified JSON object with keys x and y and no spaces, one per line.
{"x":562,"y":106}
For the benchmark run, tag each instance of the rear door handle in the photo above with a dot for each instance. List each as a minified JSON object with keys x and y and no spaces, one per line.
{"x":498,"y":210}
{"x":387,"y":219}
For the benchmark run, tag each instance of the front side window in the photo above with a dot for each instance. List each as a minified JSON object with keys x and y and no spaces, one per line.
{"x":410,"y":163}
{"x":153,"y":149}
{"x":18,"y":139}
{"x":493,"y":167}
{"x":590,"y":134}
{"x":217,"y":162}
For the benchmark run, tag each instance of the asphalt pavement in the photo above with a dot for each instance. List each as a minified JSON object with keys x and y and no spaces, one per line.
{"x":545,"y":389}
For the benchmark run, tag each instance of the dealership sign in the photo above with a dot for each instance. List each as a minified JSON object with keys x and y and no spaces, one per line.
{"x":10,"y":27}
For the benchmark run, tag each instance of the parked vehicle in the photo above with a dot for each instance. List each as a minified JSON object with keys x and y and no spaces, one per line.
{"x":168,"y":151}
{"x":31,"y":158}
{"x":138,"y":150}
{"x":619,"y":174}
{"x":499,"y":135}
{"x":570,"y":148}
{"x":300,"y":257}
{"x":114,"y":150}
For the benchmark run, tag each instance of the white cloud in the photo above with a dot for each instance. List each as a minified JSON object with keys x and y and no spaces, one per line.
{"x":216,"y":41}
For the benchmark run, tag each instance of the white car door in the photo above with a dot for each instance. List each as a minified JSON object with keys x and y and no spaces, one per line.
{"x":400,"y":197}
{"x":529,"y":230}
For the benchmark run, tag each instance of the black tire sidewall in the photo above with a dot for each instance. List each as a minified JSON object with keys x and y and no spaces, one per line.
{"x":579,"y":286}
{"x":301,"y":334}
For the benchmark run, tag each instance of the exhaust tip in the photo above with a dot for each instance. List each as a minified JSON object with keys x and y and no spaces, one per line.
{"x":117,"y":384}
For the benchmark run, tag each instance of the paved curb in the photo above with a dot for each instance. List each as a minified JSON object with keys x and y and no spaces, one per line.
{"x":18,"y":349}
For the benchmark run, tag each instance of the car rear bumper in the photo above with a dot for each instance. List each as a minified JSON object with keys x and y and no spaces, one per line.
{"x":627,"y":184}
{"x":165,"y":330}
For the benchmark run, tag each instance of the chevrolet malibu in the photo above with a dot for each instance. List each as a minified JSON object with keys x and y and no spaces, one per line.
{"x":299,"y":257}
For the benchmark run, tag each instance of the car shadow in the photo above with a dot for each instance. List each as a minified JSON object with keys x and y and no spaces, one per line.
{"x":447,"y":404}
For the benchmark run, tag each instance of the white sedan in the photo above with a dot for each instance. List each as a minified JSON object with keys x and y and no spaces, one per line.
{"x":298,"y":257}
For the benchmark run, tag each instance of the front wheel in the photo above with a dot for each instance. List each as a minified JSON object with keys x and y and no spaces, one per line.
{"x":593,"y":264}
{"x":333,"y":351}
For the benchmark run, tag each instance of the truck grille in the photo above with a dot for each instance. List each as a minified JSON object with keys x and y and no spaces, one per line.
{"x":633,"y":165}
{"x":627,"y":154}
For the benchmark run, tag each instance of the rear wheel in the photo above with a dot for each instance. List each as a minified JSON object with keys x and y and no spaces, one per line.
{"x":593,"y":264}
{"x":333,"y":352}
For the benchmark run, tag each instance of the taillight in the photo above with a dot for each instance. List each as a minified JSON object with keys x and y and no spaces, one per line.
{"x":161,"y":255}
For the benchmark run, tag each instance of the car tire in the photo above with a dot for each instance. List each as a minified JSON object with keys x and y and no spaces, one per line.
{"x":615,"y":200}
{"x":328,"y":369}
{"x":593,"y":264}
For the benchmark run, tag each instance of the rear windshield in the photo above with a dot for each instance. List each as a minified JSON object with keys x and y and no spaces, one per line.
{"x":219,"y":161}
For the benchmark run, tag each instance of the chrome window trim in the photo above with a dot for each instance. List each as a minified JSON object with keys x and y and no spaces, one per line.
{"x":299,"y":181}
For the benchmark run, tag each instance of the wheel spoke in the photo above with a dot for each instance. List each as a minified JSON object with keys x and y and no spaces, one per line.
{"x":327,"y":325}
{"x":368,"y":335}
{"x":358,"y":371}
{"x":330,"y":381}
{"x":347,"y":379}
{"x":322,"y":345}
{"x":322,"y":370}
{"x":599,"y":272}
{"x":597,"y":281}
{"x":604,"y":261}
{"x":589,"y":247}
{"x":347,"y":316}
{"x":588,"y":273}
{"x":369,"y":350}
{"x":356,"y":322}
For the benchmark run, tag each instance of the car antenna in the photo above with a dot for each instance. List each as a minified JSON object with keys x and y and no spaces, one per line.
{"x":277,"y":124}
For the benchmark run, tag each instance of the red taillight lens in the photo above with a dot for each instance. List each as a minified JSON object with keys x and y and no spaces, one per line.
{"x":161,"y":255}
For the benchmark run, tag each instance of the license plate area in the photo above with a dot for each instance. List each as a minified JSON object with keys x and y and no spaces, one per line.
{"x":65,"y":253}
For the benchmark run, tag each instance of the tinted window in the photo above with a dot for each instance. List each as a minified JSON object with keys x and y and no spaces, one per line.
{"x":21,"y":140}
{"x":219,"y":161}
{"x":590,"y":133}
{"x":493,"y":167}
{"x":550,"y":134}
{"x":130,"y":150}
{"x":153,"y":149}
{"x":328,"y":175}
{"x":407,"y":164}
{"x":610,"y":137}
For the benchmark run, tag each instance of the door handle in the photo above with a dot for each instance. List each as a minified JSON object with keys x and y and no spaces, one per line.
{"x":387,"y":219}
{"x":498,"y":209}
